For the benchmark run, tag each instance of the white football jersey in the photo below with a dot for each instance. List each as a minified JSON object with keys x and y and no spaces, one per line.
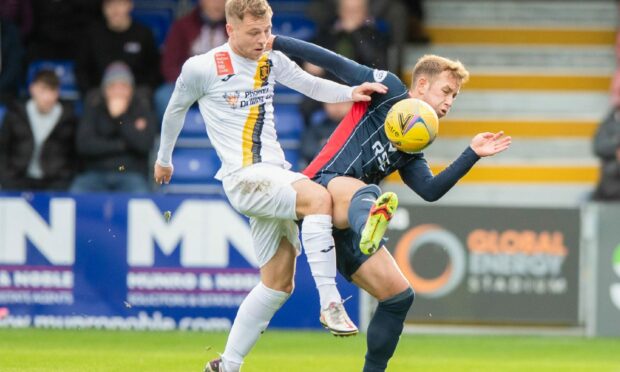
{"x":235,"y":97}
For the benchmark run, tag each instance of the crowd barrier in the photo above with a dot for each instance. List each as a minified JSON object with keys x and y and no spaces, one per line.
{"x":119,"y":261}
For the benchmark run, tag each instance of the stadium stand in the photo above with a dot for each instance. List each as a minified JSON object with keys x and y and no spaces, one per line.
{"x":541,"y":72}
{"x":194,"y":126}
{"x":289,"y":122}
{"x":195,"y":165}
{"x":2,"y":112}
{"x":158,"y":20}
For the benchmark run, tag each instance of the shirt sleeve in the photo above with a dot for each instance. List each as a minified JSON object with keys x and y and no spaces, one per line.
{"x":418,"y":176}
{"x":290,"y":74}
{"x":349,"y":71}
{"x":189,"y":87}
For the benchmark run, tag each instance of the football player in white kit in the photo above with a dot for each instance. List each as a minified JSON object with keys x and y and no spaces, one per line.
{"x":234,"y":87}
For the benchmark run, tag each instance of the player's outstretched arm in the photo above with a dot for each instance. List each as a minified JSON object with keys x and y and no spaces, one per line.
{"x":418,"y":176}
{"x":187,"y":90}
{"x":349,"y":71}
{"x":489,"y":144}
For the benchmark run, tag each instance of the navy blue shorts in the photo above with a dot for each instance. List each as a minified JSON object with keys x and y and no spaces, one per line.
{"x":348,"y":254}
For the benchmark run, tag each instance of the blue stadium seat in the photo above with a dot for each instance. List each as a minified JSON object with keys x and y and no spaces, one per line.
{"x":195,"y":165}
{"x":65,"y":69}
{"x":194,"y":126}
{"x":158,"y":20}
{"x":292,"y":156}
{"x":297,"y":26}
{"x":2,"y":112}
{"x":289,"y":122}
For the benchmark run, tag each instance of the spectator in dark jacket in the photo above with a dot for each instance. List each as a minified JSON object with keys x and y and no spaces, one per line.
{"x":607,"y":148}
{"x":203,"y":29}
{"x":119,"y":39}
{"x":318,"y":132}
{"x":18,"y":12}
{"x":355,"y":35}
{"x":58,"y":27}
{"x":37,"y":140}
{"x":115,"y":136}
{"x":11,"y":53}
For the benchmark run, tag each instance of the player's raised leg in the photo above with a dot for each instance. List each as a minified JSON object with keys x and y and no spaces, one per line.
{"x":382,"y":279}
{"x":258,"y":308}
{"x":364,"y":209}
{"x":314,"y":205}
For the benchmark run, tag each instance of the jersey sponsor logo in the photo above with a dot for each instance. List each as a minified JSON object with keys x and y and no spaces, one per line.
{"x":223,"y":63}
{"x":379,"y":75}
{"x":327,"y":249}
{"x":232,"y":98}
{"x":382,"y":156}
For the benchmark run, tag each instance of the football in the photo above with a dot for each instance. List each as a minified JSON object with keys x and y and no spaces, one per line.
{"x":411,"y":125}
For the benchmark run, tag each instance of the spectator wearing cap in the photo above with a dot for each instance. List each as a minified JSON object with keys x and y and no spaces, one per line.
{"x":37,"y":138}
{"x":119,"y":38}
{"x":115,"y":136}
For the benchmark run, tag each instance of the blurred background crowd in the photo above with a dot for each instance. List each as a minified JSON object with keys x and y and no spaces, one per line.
{"x":84,"y":84}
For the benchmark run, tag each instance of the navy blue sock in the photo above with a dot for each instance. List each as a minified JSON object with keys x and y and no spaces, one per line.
{"x":360,"y":205}
{"x":384,"y":330}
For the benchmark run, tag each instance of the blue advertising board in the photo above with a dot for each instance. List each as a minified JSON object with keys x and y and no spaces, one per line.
{"x":119,"y":261}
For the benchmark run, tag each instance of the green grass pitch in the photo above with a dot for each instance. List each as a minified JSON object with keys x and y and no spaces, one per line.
{"x":88,"y":350}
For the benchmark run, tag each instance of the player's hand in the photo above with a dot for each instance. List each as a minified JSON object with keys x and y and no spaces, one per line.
{"x":162,"y":174}
{"x":269,"y":45}
{"x":618,"y":154}
{"x":489,"y":144}
{"x":361,"y":93}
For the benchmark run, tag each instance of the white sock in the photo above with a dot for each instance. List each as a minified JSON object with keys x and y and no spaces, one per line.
{"x":316,"y":235}
{"x":252,"y":319}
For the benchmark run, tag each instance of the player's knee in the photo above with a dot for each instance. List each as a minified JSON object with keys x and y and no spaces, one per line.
{"x":320,"y":202}
{"x":283,"y":285}
{"x":288,"y":287}
{"x":410,"y":297}
{"x":399,"y":304}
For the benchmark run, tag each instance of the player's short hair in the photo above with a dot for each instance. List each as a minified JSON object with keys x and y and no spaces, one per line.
{"x":47,"y":77}
{"x":432,"y":65}
{"x":237,"y":9}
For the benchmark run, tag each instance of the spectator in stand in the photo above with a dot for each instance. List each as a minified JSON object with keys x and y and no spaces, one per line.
{"x":18,"y":12}
{"x":352,"y":34}
{"x":607,"y":148}
{"x":37,"y":139}
{"x":11,"y":53}
{"x":355,"y":35}
{"x":201,"y":30}
{"x":58,"y":27}
{"x":118,"y":39}
{"x":115,"y":136}
{"x":316,"y":135}
{"x":403,"y":18}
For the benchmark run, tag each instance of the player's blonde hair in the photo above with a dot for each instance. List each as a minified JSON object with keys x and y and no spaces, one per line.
{"x":431,"y":65}
{"x":237,"y":9}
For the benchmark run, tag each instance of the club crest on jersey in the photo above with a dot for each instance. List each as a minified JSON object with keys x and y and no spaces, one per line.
{"x":232,"y":98}
{"x":264,"y":70}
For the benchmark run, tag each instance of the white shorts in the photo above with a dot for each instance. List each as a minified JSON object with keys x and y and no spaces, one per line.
{"x":264,"y":192}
